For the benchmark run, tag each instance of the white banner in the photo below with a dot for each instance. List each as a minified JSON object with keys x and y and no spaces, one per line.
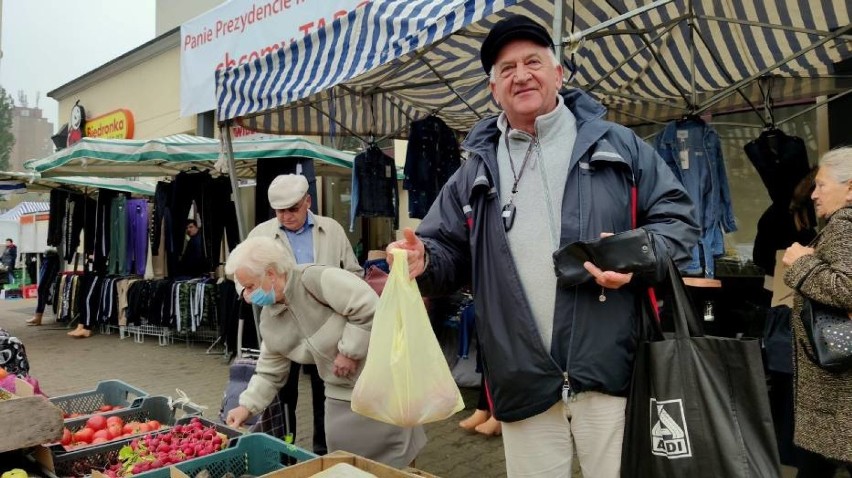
{"x":240,"y":31}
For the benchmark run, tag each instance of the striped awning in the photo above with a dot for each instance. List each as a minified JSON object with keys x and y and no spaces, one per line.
{"x":24,"y":208}
{"x":394,"y":61}
{"x":121,"y":158}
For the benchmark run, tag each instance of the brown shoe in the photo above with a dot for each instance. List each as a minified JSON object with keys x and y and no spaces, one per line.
{"x":478,"y":418}
{"x":490,"y":428}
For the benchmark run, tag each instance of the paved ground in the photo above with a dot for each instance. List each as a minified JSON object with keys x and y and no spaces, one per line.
{"x":66,"y":365}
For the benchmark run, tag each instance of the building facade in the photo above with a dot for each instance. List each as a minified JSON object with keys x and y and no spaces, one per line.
{"x":32,"y":136}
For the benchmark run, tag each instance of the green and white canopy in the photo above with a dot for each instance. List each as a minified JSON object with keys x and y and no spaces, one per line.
{"x":167,"y":156}
{"x":34,"y":182}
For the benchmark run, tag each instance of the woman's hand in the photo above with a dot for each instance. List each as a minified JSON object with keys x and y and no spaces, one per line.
{"x":794,"y":252}
{"x":237,"y":416}
{"x":344,"y":366}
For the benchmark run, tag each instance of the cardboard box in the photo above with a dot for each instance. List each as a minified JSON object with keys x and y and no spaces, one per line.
{"x":312,"y":467}
{"x":28,"y":419}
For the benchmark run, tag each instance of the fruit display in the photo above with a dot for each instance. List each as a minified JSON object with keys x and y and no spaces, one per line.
{"x":4,"y":395}
{"x":157,"y":450}
{"x":101,"y":429}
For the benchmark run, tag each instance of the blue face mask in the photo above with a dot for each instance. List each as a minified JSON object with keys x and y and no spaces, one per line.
{"x":262,"y":297}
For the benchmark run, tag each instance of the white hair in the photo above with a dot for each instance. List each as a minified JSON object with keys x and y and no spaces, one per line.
{"x":257,"y":254}
{"x":492,"y":75}
{"x":839,"y":163}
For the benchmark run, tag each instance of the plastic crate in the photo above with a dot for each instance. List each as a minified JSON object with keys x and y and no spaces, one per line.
{"x":81,"y":462}
{"x":143,"y":409}
{"x":108,"y":392}
{"x":255,"y":454}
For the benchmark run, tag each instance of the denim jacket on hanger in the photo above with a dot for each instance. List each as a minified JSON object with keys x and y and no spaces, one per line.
{"x":693,"y":151}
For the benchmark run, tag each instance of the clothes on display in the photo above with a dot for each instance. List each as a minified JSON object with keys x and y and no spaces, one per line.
{"x":692,"y":150}
{"x":58,"y":202}
{"x":217,"y":216}
{"x":432,"y":156}
{"x":782,"y":162}
{"x":374,"y":186}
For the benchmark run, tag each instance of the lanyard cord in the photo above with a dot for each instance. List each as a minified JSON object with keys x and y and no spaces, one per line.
{"x":519,"y":174}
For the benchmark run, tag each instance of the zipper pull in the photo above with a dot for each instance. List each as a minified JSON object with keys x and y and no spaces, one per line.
{"x":566,"y":389}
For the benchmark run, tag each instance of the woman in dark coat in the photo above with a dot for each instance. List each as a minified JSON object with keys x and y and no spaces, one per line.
{"x":822,"y":272}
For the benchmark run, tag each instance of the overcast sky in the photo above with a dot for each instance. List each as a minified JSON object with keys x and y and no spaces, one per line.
{"x":47,"y":43}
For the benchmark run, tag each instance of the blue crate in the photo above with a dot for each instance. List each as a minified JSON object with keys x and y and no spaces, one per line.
{"x":108,"y":392}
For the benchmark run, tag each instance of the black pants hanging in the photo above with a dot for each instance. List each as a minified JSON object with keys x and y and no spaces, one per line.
{"x":220,"y":218}
{"x":103,"y":226}
{"x":187,"y":188}
{"x":58,"y":200}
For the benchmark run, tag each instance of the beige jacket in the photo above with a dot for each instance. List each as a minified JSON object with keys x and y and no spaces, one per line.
{"x":327,"y":310}
{"x":331,"y":246}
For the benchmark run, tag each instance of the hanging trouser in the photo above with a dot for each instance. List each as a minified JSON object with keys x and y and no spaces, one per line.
{"x":118,"y":235}
{"x":219,"y":217}
{"x":46,"y":281}
{"x":160,"y":218}
{"x":103,"y":225}
{"x":74,"y":221}
{"x":186,"y":189}
{"x":137,"y":237}
{"x":88,"y":299}
{"x":58,"y":203}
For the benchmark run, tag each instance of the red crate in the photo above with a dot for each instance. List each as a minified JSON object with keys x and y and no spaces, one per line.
{"x":30,"y":291}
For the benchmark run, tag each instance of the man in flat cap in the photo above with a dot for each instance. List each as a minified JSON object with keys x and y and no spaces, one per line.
{"x":558,"y":359}
{"x":311,"y":239}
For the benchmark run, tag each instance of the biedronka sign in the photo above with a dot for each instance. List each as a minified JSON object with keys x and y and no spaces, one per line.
{"x":240,"y":31}
{"x":117,"y":124}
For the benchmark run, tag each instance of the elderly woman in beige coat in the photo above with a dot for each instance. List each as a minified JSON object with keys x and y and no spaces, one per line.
{"x":822,"y":272}
{"x":319,"y":315}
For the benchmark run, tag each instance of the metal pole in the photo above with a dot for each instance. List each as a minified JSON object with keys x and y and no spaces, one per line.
{"x":574,"y":37}
{"x":225,"y":130}
{"x":691,"y":25}
{"x":235,"y":184}
{"x":558,"y":19}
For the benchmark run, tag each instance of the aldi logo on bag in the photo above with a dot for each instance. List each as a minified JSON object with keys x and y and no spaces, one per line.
{"x":669,"y":436}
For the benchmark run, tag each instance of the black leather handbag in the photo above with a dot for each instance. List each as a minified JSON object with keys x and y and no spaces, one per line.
{"x":630,"y":251}
{"x":829,"y":332}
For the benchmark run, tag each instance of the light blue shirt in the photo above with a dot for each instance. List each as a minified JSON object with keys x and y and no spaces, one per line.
{"x":302,"y":241}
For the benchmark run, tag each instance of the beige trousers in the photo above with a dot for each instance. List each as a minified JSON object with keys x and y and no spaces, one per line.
{"x":543,"y":445}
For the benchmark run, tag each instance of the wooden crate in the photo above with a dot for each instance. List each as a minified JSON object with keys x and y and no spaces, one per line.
{"x":28,"y":419}
{"x":312,"y":467}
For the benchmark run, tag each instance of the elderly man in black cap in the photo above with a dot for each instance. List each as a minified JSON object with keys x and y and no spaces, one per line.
{"x":549,"y":171}
{"x":311,"y":239}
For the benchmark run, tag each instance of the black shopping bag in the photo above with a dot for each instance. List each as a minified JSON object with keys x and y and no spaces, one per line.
{"x":698,"y":406}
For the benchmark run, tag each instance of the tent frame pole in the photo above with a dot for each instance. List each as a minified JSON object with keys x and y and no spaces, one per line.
{"x":578,"y":36}
{"x":558,"y":27}
{"x":649,"y":45}
{"x":730,"y":89}
{"x":225,"y":131}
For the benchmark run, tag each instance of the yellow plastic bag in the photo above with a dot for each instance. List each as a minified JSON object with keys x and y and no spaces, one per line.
{"x":406,"y":380}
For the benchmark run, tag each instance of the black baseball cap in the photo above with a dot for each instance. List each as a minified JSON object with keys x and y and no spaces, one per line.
{"x":512,"y":28}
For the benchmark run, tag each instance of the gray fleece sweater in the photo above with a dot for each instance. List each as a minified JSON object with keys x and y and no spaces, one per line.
{"x":538,"y":204}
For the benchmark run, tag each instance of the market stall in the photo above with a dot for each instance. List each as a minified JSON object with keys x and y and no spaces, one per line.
{"x":173,"y":292}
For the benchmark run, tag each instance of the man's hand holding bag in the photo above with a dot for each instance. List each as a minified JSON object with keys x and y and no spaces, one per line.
{"x":406,"y":380}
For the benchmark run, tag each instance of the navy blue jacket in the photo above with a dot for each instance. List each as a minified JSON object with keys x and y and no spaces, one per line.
{"x":593,"y":342}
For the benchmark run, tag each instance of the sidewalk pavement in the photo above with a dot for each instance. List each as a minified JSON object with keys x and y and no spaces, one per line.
{"x":65,"y":365}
